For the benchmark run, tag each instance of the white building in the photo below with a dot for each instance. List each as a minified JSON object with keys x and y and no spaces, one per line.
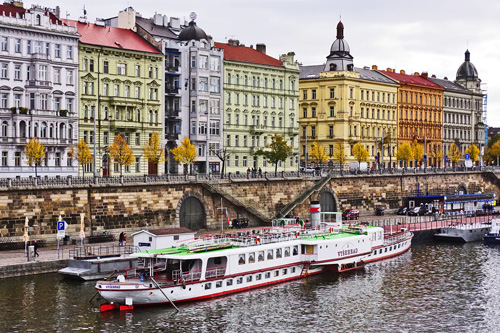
{"x":38,"y":90}
{"x":161,"y":238}
{"x":193,"y":85}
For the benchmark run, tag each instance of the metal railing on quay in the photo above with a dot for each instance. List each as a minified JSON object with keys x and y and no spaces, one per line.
{"x":91,"y":251}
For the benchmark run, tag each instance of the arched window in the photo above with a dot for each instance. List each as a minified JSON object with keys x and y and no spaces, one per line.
{"x":150,"y":116}
{"x":70,"y":132}
{"x":38,"y":20}
{"x":35,"y":131}
{"x":106,"y":116}
{"x":43,"y":130}
{"x":51,"y":131}
{"x":138,"y":115}
{"x":5,"y":126}
{"x":156,"y":117}
{"x":62,"y":131}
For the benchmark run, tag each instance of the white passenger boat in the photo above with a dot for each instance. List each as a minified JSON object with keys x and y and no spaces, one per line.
{"x":217,"y":265}
{"x":463,"y":233}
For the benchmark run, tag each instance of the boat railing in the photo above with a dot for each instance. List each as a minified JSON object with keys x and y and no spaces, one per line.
{"x":309,"y":257}
{"x":178,"y":275}
{"x":396,"y":238}
{"x":215,"y":272}
{"x":101,"y":251}
{"x":135,"y":272}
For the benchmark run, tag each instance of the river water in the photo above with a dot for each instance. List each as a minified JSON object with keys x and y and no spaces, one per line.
{"x":435,"y":287}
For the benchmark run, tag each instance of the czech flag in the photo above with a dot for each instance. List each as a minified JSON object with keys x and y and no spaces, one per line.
{"x":227,"y":218}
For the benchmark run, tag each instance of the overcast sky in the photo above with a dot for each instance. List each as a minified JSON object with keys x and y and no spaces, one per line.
{"x":417,"y":36}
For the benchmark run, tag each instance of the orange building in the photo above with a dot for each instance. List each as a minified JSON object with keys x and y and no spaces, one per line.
{"x":420,"y":112}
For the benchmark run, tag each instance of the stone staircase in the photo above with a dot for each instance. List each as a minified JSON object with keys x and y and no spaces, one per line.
{"x":492,"y":177}
{"x":250,"y":209}
{"x":302,"y":197}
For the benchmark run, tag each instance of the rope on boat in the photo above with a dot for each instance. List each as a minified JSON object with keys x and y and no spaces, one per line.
{"x":157,"y":286}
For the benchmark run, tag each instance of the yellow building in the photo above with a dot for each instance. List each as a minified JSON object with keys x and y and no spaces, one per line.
{"x":338,"y":101}
{"x":120,"y":90}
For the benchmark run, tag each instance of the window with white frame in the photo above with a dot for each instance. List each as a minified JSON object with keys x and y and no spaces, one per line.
{"x":215,"y":106}
{"x":214,"y":127}
{"x":69,"y":52}
{"x":215,"y":64}
{"x":57,"y":75}
{"x":121,"y":69}
{"x":5,"y":43}
{"x":57,"y":50}
{"x":203,"y":84}
{"x":69,"y":77}
{"x":203,"y":62}
{"x":5,"y":71}
{"x":215,"y":84}
{"x":17,"y":45}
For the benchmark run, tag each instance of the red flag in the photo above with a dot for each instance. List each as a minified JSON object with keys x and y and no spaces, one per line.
{"x":227,"y":218}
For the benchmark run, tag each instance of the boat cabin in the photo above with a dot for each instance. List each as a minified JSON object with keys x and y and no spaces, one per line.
{"x":154,"y":239}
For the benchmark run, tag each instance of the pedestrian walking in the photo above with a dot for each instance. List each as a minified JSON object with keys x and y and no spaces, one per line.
{"x":35,"y":247}
{"x":260,"y":173}
{"x":120,"y":239}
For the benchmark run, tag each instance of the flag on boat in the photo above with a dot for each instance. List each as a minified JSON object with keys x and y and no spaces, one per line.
{"x":227,"y":218}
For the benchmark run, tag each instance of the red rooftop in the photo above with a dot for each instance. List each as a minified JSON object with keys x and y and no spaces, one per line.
{"x":247,"y":54}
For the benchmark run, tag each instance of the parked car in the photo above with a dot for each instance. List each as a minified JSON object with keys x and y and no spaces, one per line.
{"x":417,"y":211}
{"x":403,"y":211}
{"x":350,"y":214}
{"x":307,"y":170}
{"x":379,"y":211}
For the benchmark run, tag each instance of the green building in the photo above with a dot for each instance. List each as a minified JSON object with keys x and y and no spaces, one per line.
{"x":260,"y":100}
{"x":120,"y":93}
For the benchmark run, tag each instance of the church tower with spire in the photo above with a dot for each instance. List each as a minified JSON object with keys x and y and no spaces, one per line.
{"x":340,"y":58}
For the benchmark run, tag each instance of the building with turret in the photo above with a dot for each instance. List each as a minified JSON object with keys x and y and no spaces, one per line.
{"x":342,"y":103}
{"x":38,"y":90}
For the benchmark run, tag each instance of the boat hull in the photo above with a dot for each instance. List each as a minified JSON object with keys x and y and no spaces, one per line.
{"x":491,"y":238}
{"x":462,"y":233}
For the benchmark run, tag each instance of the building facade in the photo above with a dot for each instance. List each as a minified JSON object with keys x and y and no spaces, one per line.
{"x":121,"y":86}
{"x":260,"y":100}
{"x":346,"y":104}
{"x":420,"y":113}
{"x":38,"y":90}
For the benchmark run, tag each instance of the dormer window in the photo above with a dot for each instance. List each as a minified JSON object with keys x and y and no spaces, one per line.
{"x":38,"y":20}
{"x":333,"y":67}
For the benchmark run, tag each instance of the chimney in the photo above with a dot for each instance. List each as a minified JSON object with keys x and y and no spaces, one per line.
{"x":15,"y":3}
{"x":233,"y":42}
{"x":416,"y":74}
{"x":261,"y":48}
{"x":433,"y":76}
{"x":251,"y":46}
{"x":402,"y":72}
{"x":374,"y":67}
{"x":58,"y":12}
{"x":425,"y":75}
{"x":389,"y":70}
{"x":445,"y":78}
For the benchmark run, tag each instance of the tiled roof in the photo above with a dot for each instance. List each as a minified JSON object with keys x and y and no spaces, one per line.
{"x":312,"y":72}
{"x":449,"y":85}
{"x":410,"y":79}
{"x":171,"y":231}
{"x":9,"y":10}
{"x":155,"y":30}
{"x":247,"y":54}
{"x":111,"y":37}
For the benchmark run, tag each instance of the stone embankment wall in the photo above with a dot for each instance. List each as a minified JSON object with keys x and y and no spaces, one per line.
{"x":140,"y":205}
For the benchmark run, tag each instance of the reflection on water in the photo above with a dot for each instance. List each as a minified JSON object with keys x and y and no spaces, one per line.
{"x":433,"y":288}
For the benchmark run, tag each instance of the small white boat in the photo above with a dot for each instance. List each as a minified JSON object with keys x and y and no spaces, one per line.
{"x":493,"y":236}
{"x":463,"y":233}
{"x":218,"y":265}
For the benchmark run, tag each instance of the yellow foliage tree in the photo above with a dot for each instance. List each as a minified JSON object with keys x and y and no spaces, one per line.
{"x":454,"y":153}
{"x":318,"y":153}
{"x":405,"y":153}
{"x":473,"y":152}
{"x":360,"y":153}
{"x":495,"y":150}
{"x":418,"y":152}
{"x":339,"y":153}
{"x":121,"y":153}
{"x":185,"y":153}
{"x":437,"y":154}
{"x":35,"y":152}
{"x":153,"y":150}
{"x":82,"y":155}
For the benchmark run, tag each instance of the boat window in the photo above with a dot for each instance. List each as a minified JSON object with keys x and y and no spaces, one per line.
{"x":241,"y":260}
{"x":267,"y":275}
{"x":218,"y":284}
{"x":229,"y":282}
{"x":261,"y":256}
{"x":278,"y":253}
{"x":218,"y":260}
{"x":287,"y":251}
{"x":251,"y":258}
{"x":258,"y":277}
{"x":293,"y":269}
{"x":208,"y":286}
{"x":284,"y":271}
{"x":276,"y":273}
{"x":249,"y":278}
{"x":295,"y":250}
{"x":269,"y":254}
{"x":239,"y":280}
{"x":385,"y":249}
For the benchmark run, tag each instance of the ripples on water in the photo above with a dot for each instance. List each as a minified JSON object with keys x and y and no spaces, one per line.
{"x":433,"y":288}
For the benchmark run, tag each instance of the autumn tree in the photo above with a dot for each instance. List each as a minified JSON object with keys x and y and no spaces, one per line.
{"x":185,"y":153}
{"x":494,"y":151}
{"x":339,"y":153}
{"x":418,"y":152}
{"x":405,"y":153}
{"x":454,"y":153}
{"x":276,"y":151}
{"x":473,"y":152}
{"x":360,"y":153}
{"x":318,"y":153}
{"x":82,"y":154}
{"x":121,"y":153}
{"x":35,"y":152}
{"x":153,"y":150}
{"x":437,"y":154}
